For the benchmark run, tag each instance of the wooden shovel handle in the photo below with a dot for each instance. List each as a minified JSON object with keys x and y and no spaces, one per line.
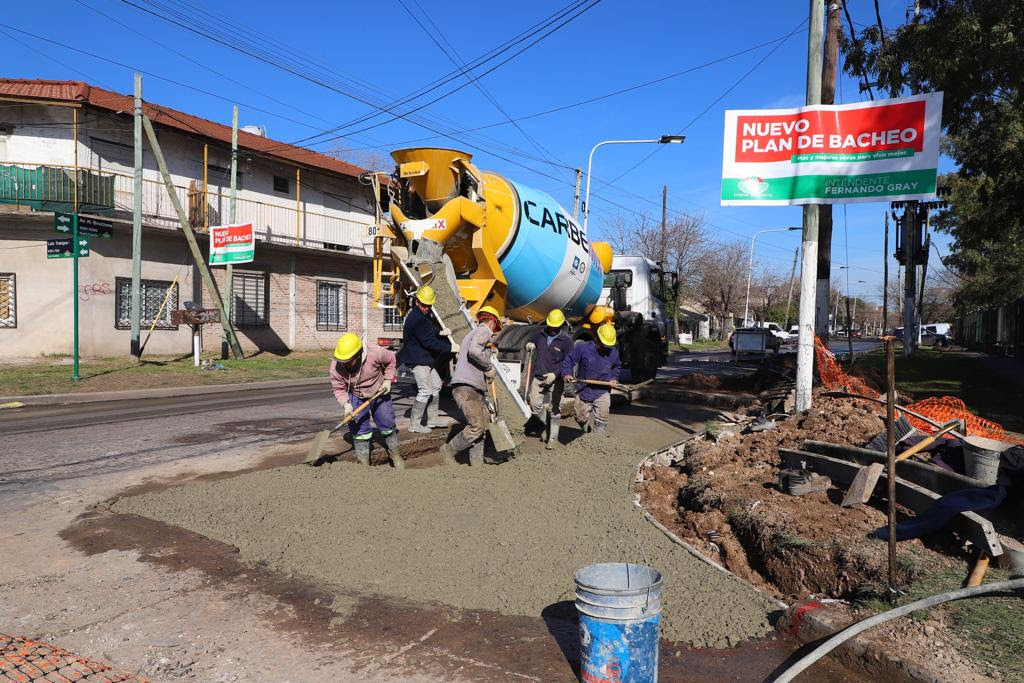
{"x":360,"y":408}
{"x":921,"y":445}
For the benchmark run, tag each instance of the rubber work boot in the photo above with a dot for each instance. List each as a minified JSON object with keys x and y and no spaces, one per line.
{"x":416,"y":418}
{"x":362,"y":447}
{"x":476,"y":453}
{"x":584,"y":426}
{"x":391,"y":443}
{"x":458,"y":444}
{"x":434,"y":419}
{"x":552,"y":433}
{"x":600,"y":427}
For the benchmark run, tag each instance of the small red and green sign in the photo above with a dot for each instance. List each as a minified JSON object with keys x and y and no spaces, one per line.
{"x":232,"y":244}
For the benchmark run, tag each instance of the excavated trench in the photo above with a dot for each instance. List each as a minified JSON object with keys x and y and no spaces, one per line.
{"x":503,"y":537}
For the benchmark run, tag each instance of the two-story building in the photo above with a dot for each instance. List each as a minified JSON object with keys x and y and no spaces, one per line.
{"x":309,"y":282}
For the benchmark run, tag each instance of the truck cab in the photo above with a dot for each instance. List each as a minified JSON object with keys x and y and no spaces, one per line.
{"x":639,"y":289}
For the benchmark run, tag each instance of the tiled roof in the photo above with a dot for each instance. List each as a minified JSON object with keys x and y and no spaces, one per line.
{"x":77,"y":91}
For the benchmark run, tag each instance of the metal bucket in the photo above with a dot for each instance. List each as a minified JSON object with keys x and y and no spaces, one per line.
{"x":620,"y":622}
{"x":981,"y":458}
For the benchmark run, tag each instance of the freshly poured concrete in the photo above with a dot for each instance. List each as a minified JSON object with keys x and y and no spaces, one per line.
{"x":501,"y":537}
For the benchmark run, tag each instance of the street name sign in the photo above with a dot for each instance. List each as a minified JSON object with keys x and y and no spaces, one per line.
{"x":232,"y":244}
{"x":61,"y":247}
{"x":833,"y":154}
{"x":90,"y":227}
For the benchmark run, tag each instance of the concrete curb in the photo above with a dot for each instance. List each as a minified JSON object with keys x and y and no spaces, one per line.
{"x":162,"y":392}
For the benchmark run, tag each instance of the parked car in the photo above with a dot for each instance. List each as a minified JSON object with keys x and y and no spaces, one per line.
{"x":794,"y":330}
{"x":776,"y":329}
{"x":771,"y":342}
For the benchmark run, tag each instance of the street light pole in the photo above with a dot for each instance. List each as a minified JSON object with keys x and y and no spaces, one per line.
{"x":663,"y":140}
{"x":750,"y":265}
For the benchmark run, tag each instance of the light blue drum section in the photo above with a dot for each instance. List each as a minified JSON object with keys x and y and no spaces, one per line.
{"x":548,"y":263}
{"x":620,"y":622}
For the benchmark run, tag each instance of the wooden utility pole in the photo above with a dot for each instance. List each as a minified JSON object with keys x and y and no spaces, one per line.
{"x":792,"y":277}
{"x":190,"y":237}
{"x":229,"y":273}
{"x":664,"y":223}
{"x":885,"y":276}
{"x":890,"y":461}
{"x":828,"y":96}
{"x":809,"y":242}
{"x":136,"y":312}
{"x":910,"y":239}
{"x":576,"y":196}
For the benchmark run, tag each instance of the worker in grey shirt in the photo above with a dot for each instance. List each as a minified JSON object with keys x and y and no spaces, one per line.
{"x":473,"y":370}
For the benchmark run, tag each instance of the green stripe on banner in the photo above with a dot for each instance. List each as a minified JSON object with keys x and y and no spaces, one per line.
{"x":232,"y":257}
{"x":830,"y":187}
{"x":855,"y":156}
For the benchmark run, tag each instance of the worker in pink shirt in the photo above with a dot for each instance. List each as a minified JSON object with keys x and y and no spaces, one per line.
{"x":357,"y":374}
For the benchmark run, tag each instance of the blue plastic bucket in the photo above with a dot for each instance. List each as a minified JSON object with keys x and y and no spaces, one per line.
{"x":620,"y":622}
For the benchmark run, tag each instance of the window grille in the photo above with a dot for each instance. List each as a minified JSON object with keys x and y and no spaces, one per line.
{"x":250,"y":305}
{"x":331,"y":305}
{"x":153,"y":293}
{"x":281,"y":184}
{"x":8,"y":301}
{"x":393,"y":318}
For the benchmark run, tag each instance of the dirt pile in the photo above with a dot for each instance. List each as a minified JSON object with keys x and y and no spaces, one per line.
{"x":506,"y":538}
{"x":724,"y":499}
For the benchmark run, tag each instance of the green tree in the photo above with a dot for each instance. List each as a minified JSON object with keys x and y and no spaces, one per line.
{"x":973,"y":51}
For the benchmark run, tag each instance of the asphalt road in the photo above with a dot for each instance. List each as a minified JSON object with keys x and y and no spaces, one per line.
{"x":43,"y":445}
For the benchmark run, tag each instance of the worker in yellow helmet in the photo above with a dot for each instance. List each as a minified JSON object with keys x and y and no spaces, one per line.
{"x":598,"y":362}
{"x":357,"y":376}
{"x":473,"y":370}
{"x":425,"y":347}
{"x":548,"y":346}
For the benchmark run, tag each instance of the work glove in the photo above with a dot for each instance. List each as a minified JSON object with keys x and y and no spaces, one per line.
{"x":444,"y":332}
{"x":455,"y":347}
{"x":530,"y":346}
{"x":489,"y":374}
{"x":348,"y":409}
{"x":549,"y":379}
{"x":385,"y":386}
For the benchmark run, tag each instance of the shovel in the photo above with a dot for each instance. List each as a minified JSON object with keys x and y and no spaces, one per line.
{"x":317,"y":447}
{"x":622,"y":387}
{"x":863,"y":484}
{"x":500,"y":435}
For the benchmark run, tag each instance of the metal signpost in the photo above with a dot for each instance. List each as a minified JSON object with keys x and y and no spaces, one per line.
{"x":74,"y":247}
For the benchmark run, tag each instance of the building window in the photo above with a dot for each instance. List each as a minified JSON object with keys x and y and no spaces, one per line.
{"x":331,"y":305}
{"x":393,"y":318}
{"x":249,"y":291}
{"x":280,"y":184}
{"x":8,"y":301}
{"x":153,"y":294}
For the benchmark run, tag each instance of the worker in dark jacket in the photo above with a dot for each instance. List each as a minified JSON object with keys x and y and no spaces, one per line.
{"x":424,"y":347}
{"x":549,"y":346}
{"x":596,"y":360}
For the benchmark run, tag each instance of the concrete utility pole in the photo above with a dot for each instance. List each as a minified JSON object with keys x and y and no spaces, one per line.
{"x":136,"y":312}
{"x":664,"y":224}
{"x":809,"y":245}
{"x":885,"y":276}
{"x":828,"y":96}
{"x":576,"y":196}
{"x":229,"y":273}
{"x":190,"y":237}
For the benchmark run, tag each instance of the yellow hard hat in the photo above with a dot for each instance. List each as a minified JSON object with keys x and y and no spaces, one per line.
{"x":606,"y":334}
{"x":425,"y":295}
{"x":489,"y":310}
{"x":555,"y":318}
{"x":348,"y":345}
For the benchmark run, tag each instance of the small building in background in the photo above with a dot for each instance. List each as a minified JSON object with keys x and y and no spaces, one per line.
{"x":313,"y":218}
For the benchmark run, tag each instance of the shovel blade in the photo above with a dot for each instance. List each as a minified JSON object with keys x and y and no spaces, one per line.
{"x":317,"y":447}
{"x":501,"y":436}
{"x":863,"y":485}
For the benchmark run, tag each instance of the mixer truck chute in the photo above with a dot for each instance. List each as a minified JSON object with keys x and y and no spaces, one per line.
{"x":500,"y":243}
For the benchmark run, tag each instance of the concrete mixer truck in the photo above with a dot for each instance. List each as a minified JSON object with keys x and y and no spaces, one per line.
{"x":482,"y":239}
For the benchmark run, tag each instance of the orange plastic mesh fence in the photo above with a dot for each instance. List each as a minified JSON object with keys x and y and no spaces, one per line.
{"x":938,"y":408}
{"x":25,"y":661}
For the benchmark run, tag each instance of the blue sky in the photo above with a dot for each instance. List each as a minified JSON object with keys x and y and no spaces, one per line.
{"x":376,"y":51}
